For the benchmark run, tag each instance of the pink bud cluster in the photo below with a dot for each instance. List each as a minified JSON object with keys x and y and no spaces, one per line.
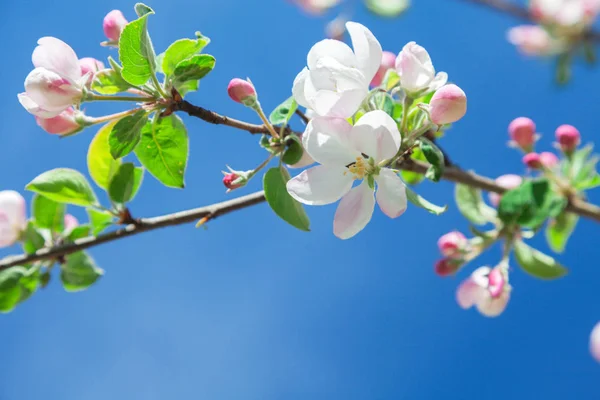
{"x":453,"y":246}
{"x":522,"y":132}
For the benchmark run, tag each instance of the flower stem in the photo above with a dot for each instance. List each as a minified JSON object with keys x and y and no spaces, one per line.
{"x":262,"y":165}
{"x":406,"y":105}
{"x":97,"y":97}
{"x":158,"y":86}
{"x":107,"y":118}
{"x":265,"y":120}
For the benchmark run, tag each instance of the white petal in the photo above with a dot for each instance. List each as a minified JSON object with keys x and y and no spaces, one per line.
{"x":491,"y":307}
{"x":55,"y":55}
{"x":298,"y":88}
{"x":595,"y":342}
{"x":391,"y":193}
{"x":470,"y":293}
{"x":50,"y":90}
{"x":367,"y":49}
{"x":12,"y":216}
{"x":331,"y":48}
{"x":320,"y":185}
{"x":32,"y":107}
{"x":440,"y":80}
{"x":376,"y":134}
{"x":327,"y":140}
{"x":354,"y":211}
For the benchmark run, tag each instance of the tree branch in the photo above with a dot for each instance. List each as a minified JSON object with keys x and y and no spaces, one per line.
{"x":213,"y":118}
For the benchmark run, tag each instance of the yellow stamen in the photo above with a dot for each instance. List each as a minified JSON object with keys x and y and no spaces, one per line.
{"x":359,"y":169}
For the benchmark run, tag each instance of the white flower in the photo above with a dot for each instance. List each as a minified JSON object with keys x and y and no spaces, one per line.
{"x":416,"y":70}
{"x":56,"y":82}
{"x":595,"y":342}
{"x":533,"y":40}
{"x":12,"y":217}
{"x":348,"y":153}
{"x":337,"y":80}
{"x":566,"y":13}
{"x":485,"y":289}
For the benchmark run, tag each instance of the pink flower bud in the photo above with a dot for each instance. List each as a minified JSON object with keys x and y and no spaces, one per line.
{"x":70,"y":223}
{"x":452,"y":244}
{"x":568,"y":137}
{"x":229,"y":180}
{"x":242,"y":91}
{"x":549,"y":160}
{"x":446,"y":267}
{"x":496,"y":282}
{"x":448,"y":105}
{"x":522,"y":132}
{"x":113,"y":25}
{"x":532,"y":40}
{"x":595,"y":342}
{"x":532,"y":160}
{"x":62,"y":124}
{"x":388,"y":61}
{"x":90,"y":66}
{"x":508,"y":181}
{"x":486,"y":289}
{"x":13,"y":218}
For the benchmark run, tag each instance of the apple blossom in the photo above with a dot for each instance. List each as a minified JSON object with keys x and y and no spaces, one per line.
{"x":336,"y":81}
{"x":89,"y":67}
{"x":534,"y":40}
{"x":522,"y":133}
{"x":509,"y":181}
{"x":595,"y":342}
{"x":453,"y":244}
{"x":448,"y":105}
{"x":549,"y":160}
{"x":242,"y":91}
{"x":348,"y":153}
{"x":64,"y":123}
{"x":487,"y":289}
{"x":388,"y":61}
{"x":568,"y":138}
{"x":316,"y":6}
{"x":70,"y":223}
{"x":13,"y":218}
{"x":56,"y":82}
{"x":566,"y":13}
{"x":113,"y":25}
{"x":416,"y":70}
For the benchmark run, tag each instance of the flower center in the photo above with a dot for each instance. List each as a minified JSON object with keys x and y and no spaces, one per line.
{"x":359,"y":169}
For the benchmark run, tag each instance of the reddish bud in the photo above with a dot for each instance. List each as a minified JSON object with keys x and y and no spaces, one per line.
{"x":549,"y":160}
{"x":522,"y":132}
{"x":452,"y":244}
{"x":568,"y":137}
{"x":229,"y":181}
{"x":532,"y":160}
{"x":241,"y":91}
{"x":446,"y":267}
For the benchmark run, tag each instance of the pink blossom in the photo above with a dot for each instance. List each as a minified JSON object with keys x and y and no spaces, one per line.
{"x":448,"y":105}
{"x":316,"y":6}
{"x":568,"y":138}
{"x":533,"y":40}
{"x":595,"y":342}
{"x":63,"y":124}
{"x":452,"y":244}
{"x":416,"y":71}
{"x":55,"y":84}
{"x":70,"y":223}
{"x":388,"y":61}
{"x":509,"y":181}
{"x":241,"y":91}
{"x":113,"y":25}
{"x":532,"y":160}
{"x":549,"y":160}
{"x":522,"y":133}
{"x":487,"y":290}
{"x":13,"y":217}
{"x":90,"y":66}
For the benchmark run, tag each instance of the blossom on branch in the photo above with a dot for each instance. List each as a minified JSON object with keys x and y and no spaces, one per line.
{"x":416,"y":71}
{"x":487,"y":289}
{"x":13,"y":217}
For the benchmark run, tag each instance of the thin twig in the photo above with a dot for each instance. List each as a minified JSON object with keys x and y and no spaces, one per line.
{"x":217,"y":119}
{"x":302,"y":116}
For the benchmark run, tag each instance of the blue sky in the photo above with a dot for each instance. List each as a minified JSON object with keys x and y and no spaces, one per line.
{"x":251,"y":308}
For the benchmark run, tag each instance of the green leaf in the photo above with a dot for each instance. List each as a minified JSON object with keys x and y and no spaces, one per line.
{"x":33,"y":240}
{"x":79,"y":272}
{"x":136,"y":52}
{"x":382,"y":101}
{"x":421,"y":202}
{"x":563,"y":68}
{"x":125,"y":184}
{"x":435,"y":157}
{"x":471,"y":205}
{"x":530,"y":204}
{"x":99,"y":220}
{"x":29,"y":282}
{"x":282,"y":114}
{"x":192,"y":69}
{"x":387,"y":8}
{"x":101,"y":164}
{"x":109,"y":81}
{"x":141,"y":9}
{"x":11,"y":290}
{"x":79,"y":232}
{"x":48,"y":214}
{"x":181,"y":50}
{"x":126,"y":133}
{"x":590,"y":183}
{"x":536,"y":263}
{"x":281,"y":202}
{"x":64,"y":185}
{"x":163,"y":150}
{"x":559,"y":230}
{"x":294,"y":151}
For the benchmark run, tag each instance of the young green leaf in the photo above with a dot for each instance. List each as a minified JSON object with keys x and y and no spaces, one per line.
{"x":435,"y":157}
{"x":282,"y":114}
{"x":33,"y":240}
{"x":387,"y":8}
{"x":11,"y":290}
{"x":141,"y":9}
{"x":136,"y":52}
{"x":537,"y":263}
{"x":192,"y":69}
{"x":101,"y":164}
{"x":281,"y":202}
{"x":99,"y":220}
{"x":64,"y":185}
{"x":109,"y":81}
{"x":181,"y":50}
{"x":294,"y":151}
{"x":79,"y":272}
{"x":560,"y":229}
{"x":163,"y":150}
{"x":125,"y":184}
{"x":421,"y":202}
{"x":471,"y":205}
{"x":79,"y":232}
{"x":48,"y":214}
{"x":126,"y":133}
